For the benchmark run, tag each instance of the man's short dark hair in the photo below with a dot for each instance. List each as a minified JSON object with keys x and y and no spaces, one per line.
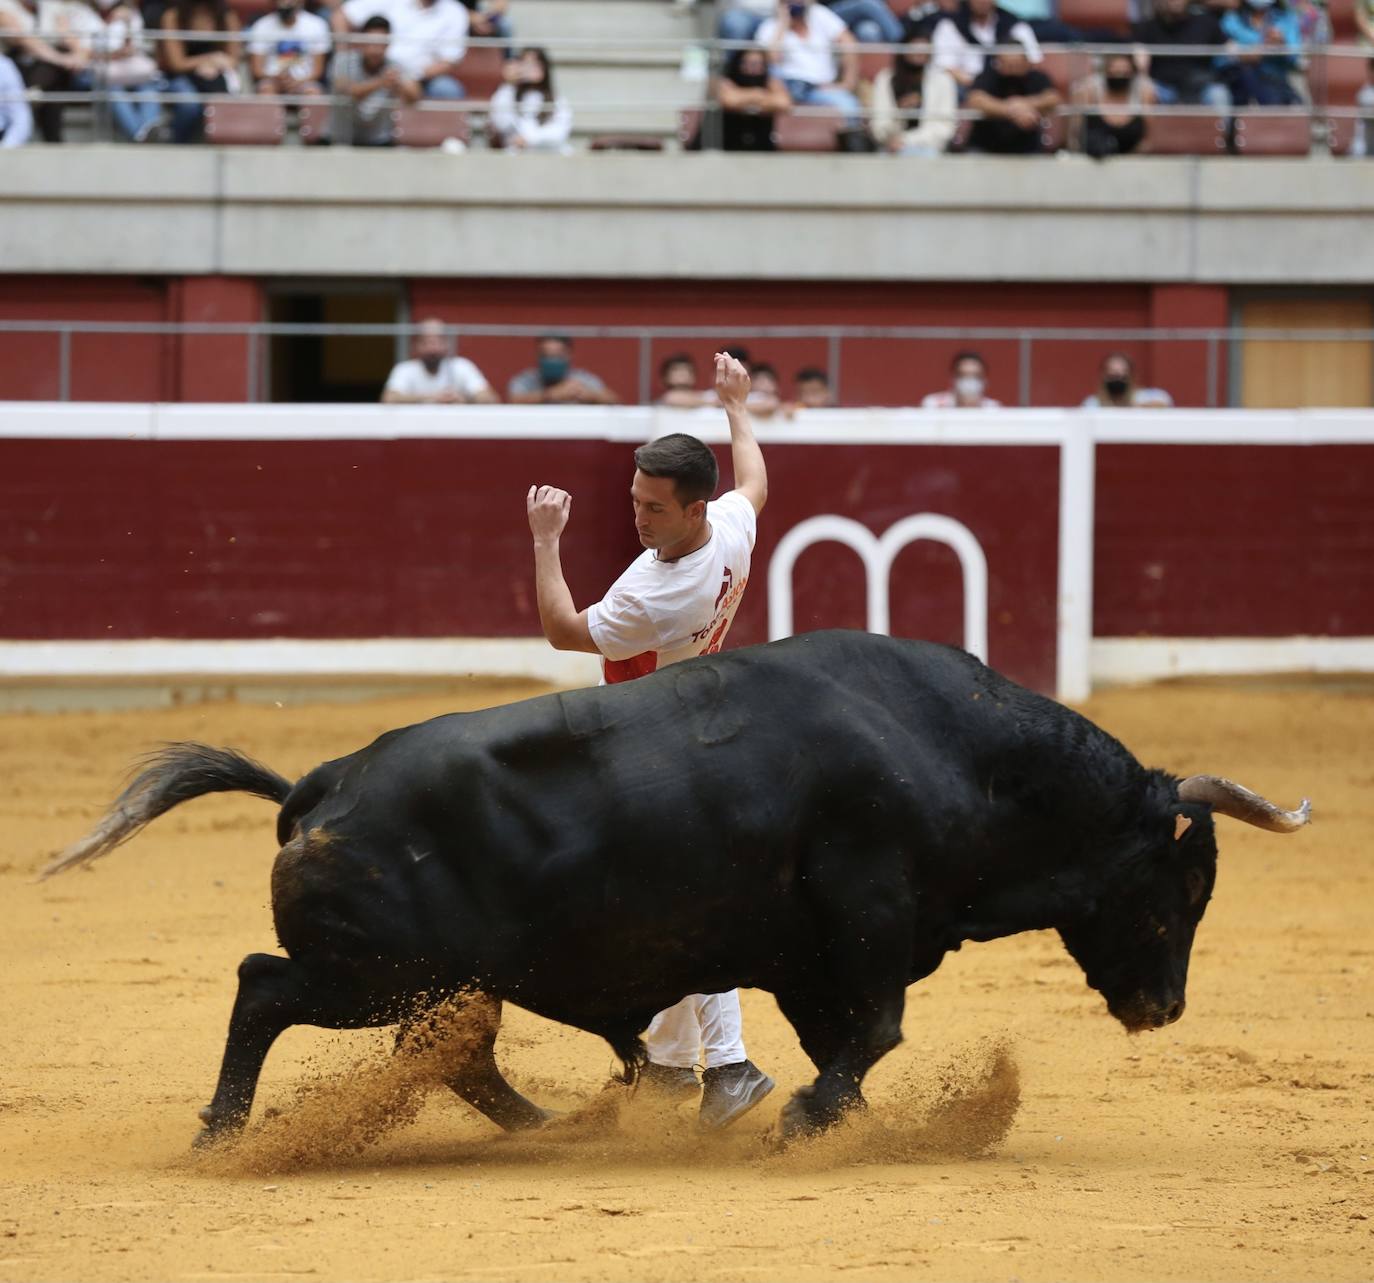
{"x":1117,"y":356}
{"x":378,"y":22}
{"x":967,"y":355}
{"x":813,"y":374}
{"x":762,"y":367}
{"x":553,"y":338}
{"x":689,"y":463}
{"x":678,"y":358}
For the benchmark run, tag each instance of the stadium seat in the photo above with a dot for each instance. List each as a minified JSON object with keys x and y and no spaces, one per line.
{"x":689,"y":125}
{"x":870,"y":64}
{"x":809,"y":131}
{"x":1335,"y":80}
{"x":313,"y":122}
{"x":230,"y":123}
{"x":480,"y":72}
{"x":1054,"y":133}
{"x":1065,"y":69}
{"x":1185,"y":134}
{"x":1265,"y":134}
{"x":1096,"y":15}
{"x":249,"y":11}
{"x":429,"y":126}
{"x":625,"y":142}
{"x":1342,"y":15}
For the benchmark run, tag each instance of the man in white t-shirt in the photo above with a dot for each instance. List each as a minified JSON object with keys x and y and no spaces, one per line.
{"x":676,"y":601}
{"x":287,"y":49}
{"x":433,"y":377}
{"x":815,"y":55}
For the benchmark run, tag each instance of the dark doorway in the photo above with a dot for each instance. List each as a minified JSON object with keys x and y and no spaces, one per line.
{"x":332,"y":367}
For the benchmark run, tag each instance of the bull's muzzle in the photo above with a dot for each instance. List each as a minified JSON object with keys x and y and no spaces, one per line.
{"x":1143,"y":1013}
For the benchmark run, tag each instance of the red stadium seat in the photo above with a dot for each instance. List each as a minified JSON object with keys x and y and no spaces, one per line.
{"x":689,"y":125}
{"x":1066,"y":69}
{"x":480,"y":71}
{"x":251,"y":124}
{"x":1335,"y":79}
{"x":1342,"y":15}
{"x":313,"y":122}
{"x":1096,"y":15}
{"x":624,"y":142}
{"x":1054,"y":133}
{"x":1185,"y":134}
{"x":870,"y":64}
{"x":1264,"y":134}
{"x":808,"y":131}
{"x":249,"y":10}
{"x":429,"y":126}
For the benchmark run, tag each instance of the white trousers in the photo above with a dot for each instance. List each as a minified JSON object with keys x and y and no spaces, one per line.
{"x":710,"y":1020}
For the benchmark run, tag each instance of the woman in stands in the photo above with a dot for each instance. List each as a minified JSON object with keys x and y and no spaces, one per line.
{"x":914,"y":102}
{"x":201,"y":63}
{"x":750,"y":96}
{"x":126,"y":71}
{"x":526,"y":112}
{"x":1110,"y":122}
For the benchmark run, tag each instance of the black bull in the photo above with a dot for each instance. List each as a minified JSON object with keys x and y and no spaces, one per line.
{"x":823,"y":817}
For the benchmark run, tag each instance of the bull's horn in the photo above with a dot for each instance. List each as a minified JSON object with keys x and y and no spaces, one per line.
{"x":1226,"y":797}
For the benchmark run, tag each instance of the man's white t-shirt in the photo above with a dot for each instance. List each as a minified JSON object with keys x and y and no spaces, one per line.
{"x":661,"y":612}
{"x":810,"y":58}
{"x":292,"y":48}
{"x":421,"y":35}
{"x":455,"y":374}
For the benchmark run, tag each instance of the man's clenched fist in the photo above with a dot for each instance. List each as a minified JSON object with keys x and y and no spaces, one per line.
{"x":548,"y":508}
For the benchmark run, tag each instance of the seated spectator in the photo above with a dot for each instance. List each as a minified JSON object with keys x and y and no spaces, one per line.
{"x":428,"y":39}
{"x":488,"y":18}
{"x":1112,"y":123}
{"x":1182,"y":78}
{"x":677,"y":380}
{"x":554,"y":380}
{"x":434,"y":376}
{"x":69,"y":29}
{"x":374,"y":87}
{"x":1266,"y":41}
{"x":968,"y":386}
{"x":765,"y":391}
{"x":203,"y":64}
{"x":962,"y":40}
{"x":914,"y":103}
{"x":126,"y":71}
{"x":1013,"y":98}
{"x":1117,"y":388}
{"x":1362,"y":142}
{"x":871,"y":21}
{"x":1364,"y":20}
{"x":807,"y":46}
{"x":750,"y":98}
{"x":16,"y":120}
{"x":526,"y":112}
{"x":813,"y":389}
{"x":741,"y":19}
{"x":287,"y":49}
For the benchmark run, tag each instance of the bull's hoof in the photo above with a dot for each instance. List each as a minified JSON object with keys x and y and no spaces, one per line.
{"x":217,"y":1129}
{"x":795,"y":1122}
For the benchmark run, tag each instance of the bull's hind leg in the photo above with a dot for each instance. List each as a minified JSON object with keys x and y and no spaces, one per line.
{"x":274,"y":994}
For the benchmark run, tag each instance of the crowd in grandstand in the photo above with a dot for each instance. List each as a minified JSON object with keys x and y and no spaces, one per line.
{"x":966,"y":75}
{"x":435,"y":375}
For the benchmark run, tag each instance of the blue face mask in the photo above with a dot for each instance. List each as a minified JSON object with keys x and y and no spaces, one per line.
{"x":796,"y":10}
{"x":553,"y":369}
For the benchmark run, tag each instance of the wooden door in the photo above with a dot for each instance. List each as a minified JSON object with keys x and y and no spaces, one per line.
{"x":1286,"y":374}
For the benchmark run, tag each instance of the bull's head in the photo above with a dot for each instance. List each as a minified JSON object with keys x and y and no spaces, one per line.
{"x":1135,"y":941}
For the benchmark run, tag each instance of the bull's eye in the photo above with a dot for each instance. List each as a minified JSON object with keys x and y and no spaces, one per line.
{"x":1161,"y":931}
{"x":1196,"y":884}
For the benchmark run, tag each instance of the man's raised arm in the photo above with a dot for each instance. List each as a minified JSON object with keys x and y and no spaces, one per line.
{"x":732,"y":386}
{"x":565,"y":627}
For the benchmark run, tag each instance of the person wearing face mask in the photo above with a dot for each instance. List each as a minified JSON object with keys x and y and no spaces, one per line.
{"x":1112,"y":123}
{"x":527,"y":112}
{"x":433,"y":377}
{"x":1117,"y":388}
{"x":914,"y":101}
{"x":968,"y":385}
{"x":750,"y":97}
{"x":554,"y":380}
{"x":286,"y":50}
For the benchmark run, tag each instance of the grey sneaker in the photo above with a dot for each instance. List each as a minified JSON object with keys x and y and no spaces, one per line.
{"x":669,"y":1080}
{"x":731,"y":1091}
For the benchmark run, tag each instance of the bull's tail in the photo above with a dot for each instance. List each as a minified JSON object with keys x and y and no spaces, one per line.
{"x":174,"y":774}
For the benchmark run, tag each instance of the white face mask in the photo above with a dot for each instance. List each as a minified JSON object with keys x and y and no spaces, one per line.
{"x":969,"y":387}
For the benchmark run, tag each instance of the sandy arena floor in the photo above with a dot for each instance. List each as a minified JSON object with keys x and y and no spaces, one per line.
{"x":1237,"y":1144}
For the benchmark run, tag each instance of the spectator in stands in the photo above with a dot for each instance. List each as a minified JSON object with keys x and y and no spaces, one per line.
{"x":1364,"y":20}
{"x":741,"y":19}
{"x":1117,"y":387}
{"x":1182,"y":78}
{"x":526,"y":112}
{"x":677,"y":380}
{"x":750,"y":98}
{"x":813,"y":389}
{"x":961,"y":40}
{"x":554,"y":380}
{"x":967,"y":389}
{"x":16,"y":120}
{"x":433,"y":375}
{"x":373,"y":85}
{"x":914,"y":102}
{"x":765,"y":391}
{"x":871,"y":21}
{"x":202,"y":64}
{"x":1362,"y":141}
{"x":69,"y":29}
{"x":126,"y":71}
{"x":1013,"y":97}
{"x":488,"y":18}
{"x":812,"y":51}
{"x":428,"y":39}
{"x":1266,"y":41}
{"x":287,"y":49}
{"x":1111,"y":100}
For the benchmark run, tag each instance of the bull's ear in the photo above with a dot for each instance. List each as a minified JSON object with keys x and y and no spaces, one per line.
{"x":1182,"y":823}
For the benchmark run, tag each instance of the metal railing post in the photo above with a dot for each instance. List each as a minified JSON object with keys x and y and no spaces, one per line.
{"x":1023,"y":373}
{"x":1212,"y":372}
{"x":64,"y":364}
{"x":832,"y":363}
{"x":646,"y":374}
{"x":250,"y":365}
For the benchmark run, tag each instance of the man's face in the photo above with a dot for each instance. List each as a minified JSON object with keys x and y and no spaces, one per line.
{"x":1116,"y":369}
{"x":430,"y":346}
{"x":680,"y":377}
{"x":660,"y":520}
{"x":813,"y":393}
{"x":1013,"y":65}
{"x":981,"y":8}
{"x":1172,"y":9}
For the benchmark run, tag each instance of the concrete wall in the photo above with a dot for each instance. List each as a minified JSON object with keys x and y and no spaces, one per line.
{"x":296,"y":211}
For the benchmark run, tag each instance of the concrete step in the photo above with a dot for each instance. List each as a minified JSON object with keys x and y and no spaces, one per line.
{"x":537,"y":20}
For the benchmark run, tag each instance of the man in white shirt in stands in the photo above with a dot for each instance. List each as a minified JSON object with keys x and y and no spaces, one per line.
{"x":814,"y":54}
{"x":968,"y":386}
{"x":428,"y":39}
{"x":286,"y":50}
{"x":676,"y":601}
{"x":433,"y":377}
